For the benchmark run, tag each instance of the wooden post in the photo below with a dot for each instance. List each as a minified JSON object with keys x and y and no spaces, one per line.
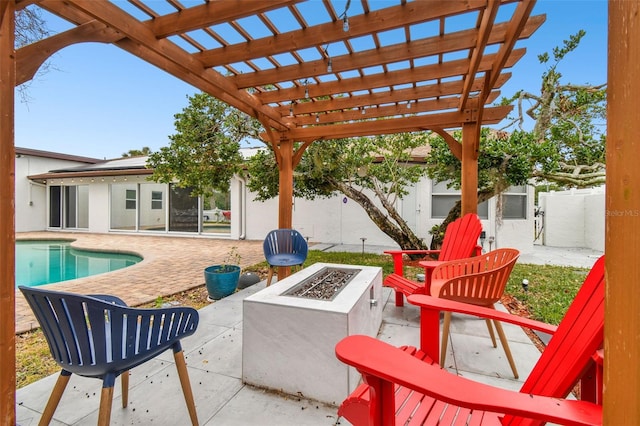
{"x":622,"y":240}
{"x":469,"y":190}
{"x":285,"y":197}
{"x":7,"y":215}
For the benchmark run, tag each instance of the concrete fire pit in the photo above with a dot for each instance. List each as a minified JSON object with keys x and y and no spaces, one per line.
{"x":288,"y":340}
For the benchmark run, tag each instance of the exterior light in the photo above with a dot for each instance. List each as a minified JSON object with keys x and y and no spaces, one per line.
{"x":345,"y":23}
{"x":317,"y":118}
{"x":291,"y":110}
{"x":329,"y":65}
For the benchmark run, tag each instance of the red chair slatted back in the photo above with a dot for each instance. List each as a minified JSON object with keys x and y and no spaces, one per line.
{"x":479,"y":280}
{"x":461,"y":237}
{"x":569,"y":353}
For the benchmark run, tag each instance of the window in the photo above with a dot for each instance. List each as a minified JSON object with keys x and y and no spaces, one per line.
{"x":69,"y":206}
{"x":130,"y":199}
{"x":123,"y":206}
{"x":443,"y":199}
{"x":183,"y":210}
{"x":55,"y":206}
{"x":514,"y":202}
{"x":156,"y":200}
{"x":152,"y":215}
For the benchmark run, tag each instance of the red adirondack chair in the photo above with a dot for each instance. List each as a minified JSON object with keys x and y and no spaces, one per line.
{"x":460,"y":241}
{"x":478,"y":280}
{"x":406,"y":386}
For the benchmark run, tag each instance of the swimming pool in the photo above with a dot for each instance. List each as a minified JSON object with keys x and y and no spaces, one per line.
{"x":51,"y":261}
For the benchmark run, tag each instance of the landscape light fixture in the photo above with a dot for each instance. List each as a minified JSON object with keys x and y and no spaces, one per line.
{"x":291,"y":109}
{"x":329,"y":65}
{"x":306,"y":89}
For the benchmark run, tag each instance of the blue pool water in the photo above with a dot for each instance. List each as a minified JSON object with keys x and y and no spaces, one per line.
{"x":46,"y":262}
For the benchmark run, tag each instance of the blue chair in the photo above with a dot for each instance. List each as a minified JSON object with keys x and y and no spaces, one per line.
{"x":99,"y":336}
{"x":284,"y":247}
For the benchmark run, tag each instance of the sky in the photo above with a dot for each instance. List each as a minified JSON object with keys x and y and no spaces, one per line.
{"x":100,"y":101}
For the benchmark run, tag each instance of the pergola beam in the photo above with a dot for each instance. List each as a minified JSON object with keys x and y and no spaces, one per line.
{"x":451,"y":42}
{"x":441,"y":90}
{"x":211,"y":13}
{"x":486,"y":24}
{"x":383,"y":79}
{"x":319,"y":35}
{"x":444,"y":120}
{"x":398,"y":110}
{"x":32,"y":56}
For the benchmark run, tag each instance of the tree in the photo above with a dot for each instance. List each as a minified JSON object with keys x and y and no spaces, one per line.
{"x":204,"y":155}
{"x":572,"y":118}
{"x":204,"y":152}
{"x":137,"y":152}
{"x":566,"y":145}
{"x":373,"y":171}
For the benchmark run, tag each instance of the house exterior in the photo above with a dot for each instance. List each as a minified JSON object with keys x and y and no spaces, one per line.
{"x":116,"y":196}
{"x":31,"y":195}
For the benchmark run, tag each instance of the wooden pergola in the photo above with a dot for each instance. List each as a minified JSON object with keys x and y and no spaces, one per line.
{"x":314,"y":70}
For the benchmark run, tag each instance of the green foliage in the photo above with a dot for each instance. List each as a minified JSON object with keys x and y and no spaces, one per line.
{"x":504,"y":160}
{"x":380,"y":163}
{"x":570,"y":119}
{"x":137,"y":152}
{"x":551,"y":289}
{"x":204,"y":152}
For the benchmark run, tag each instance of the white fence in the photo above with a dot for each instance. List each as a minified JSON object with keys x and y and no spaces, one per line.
{"x":573,"y":218}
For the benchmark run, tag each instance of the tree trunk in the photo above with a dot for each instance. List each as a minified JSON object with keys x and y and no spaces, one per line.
{"x":406,"y":238}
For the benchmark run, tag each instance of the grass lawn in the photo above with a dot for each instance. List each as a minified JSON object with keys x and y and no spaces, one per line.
{"x":551,"y":289}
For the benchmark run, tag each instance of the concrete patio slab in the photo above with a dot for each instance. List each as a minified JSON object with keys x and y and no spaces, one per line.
{"x":213,"y":357}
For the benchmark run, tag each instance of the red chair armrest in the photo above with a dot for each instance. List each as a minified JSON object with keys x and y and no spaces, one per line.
{"x":397,"y":255}
{"x":381,"y":364}
{"x":436,"y":304}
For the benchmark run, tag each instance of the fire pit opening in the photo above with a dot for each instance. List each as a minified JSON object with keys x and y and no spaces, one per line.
{"x":325,"y":284}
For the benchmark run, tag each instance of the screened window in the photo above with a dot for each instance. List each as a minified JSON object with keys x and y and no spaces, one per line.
{"x":123,"y":197}
{"x":183,"y":211}
{"x":443,"y":199}
{"x":152,"y":215}
{"x":130,"y":199}
{"x":156,"y":200}
{"x":514,"y":203}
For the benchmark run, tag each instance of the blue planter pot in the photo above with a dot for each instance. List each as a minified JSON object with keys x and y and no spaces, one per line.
{"x":221,"y":283}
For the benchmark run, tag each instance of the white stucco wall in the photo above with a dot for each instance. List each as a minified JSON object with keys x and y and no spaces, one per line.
{"x":574,"y":218}
{"x":31,"y":197}
{"x":336,"y":221}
